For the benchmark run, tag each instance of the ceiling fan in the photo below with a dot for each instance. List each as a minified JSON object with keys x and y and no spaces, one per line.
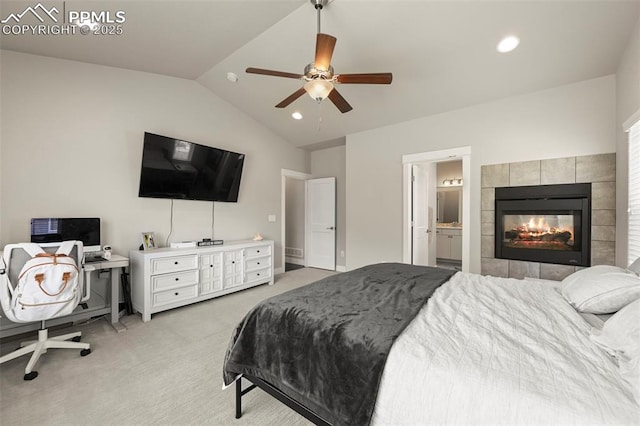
{"x":319,"y":75}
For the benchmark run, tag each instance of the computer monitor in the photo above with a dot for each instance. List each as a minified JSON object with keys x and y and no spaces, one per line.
{"x":53,"y":230}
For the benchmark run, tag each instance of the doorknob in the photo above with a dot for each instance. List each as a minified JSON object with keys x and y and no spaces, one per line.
{"x":428,"y":231}
{"x":331,"y":228}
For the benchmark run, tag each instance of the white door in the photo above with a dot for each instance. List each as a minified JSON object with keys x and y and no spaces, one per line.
{"x":423,"y":209}
{"x":321,"y":223}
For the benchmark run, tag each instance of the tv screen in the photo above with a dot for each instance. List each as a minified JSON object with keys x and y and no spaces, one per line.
{"x":177,"y":169}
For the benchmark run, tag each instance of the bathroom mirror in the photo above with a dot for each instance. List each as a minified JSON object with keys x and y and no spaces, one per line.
{"x":449,"y":203}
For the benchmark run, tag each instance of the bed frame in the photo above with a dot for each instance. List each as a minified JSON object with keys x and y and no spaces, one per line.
{"x":276,"y":393}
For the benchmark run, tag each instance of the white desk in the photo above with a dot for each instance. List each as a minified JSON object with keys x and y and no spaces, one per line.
{"x":8,"y":328}
{"x":116,"y":261}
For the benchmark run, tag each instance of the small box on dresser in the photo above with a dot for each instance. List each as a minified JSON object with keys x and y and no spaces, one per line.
{"x":168,"y":278}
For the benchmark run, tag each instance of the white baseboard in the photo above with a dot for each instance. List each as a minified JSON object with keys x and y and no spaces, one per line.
{"x":294,"y":260}
{"x":277,"y":271}
{"x":340,"y":268}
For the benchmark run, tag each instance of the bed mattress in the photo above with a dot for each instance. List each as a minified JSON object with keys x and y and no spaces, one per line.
{"x":500,"y":351}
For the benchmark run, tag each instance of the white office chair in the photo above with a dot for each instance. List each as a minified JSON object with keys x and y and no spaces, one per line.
{"x":14,"y":257}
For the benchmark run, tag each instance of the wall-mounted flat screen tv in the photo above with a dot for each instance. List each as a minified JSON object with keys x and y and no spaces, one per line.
{"x":181,"y":170}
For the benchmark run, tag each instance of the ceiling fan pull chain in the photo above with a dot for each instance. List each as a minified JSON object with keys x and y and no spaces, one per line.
{"x":319,"y":115}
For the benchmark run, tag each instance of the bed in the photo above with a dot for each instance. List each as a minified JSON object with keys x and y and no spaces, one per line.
{"x":404,"y":345}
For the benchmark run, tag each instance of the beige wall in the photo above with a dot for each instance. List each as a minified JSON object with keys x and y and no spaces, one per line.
{"x":572,"y":120}
{"x":72,"y":138}
{"x":628,"y":103}
{"x":331,"y":162}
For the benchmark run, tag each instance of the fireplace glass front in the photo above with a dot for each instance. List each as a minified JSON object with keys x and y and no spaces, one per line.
{"x":545,"y":231}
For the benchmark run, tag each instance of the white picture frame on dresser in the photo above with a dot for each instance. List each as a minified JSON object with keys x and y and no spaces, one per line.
{"x":168,"y":278}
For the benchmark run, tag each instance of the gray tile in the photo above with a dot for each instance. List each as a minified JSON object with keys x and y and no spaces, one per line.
{"x":603,"y":253}
{"x":495,"y":267}
{"x":487,"y":228}
{"x":519,"y":269}
{"x":487,"y":216}
{"x":555,"y":272}
{"x":558,"y":171}
{"x":524,"y":173}
{"x":488,"y":198}
{"x":596,"y":168}
{"x":488,"y":245}
{"x":603,"y":233}
{"x":495,"y":175}
{"x":603,"y":217}
{"x":603,"y":196}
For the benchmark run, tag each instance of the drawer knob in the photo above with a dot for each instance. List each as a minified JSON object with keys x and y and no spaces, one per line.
{"x":258,"y":263}
{"x":233,"y":261}
{"x":211,"y":266}
{"x":258,"y":251}
{"x":176,"y":293}
{"x":258,"y":274}
{"x":177,"y":279}
{"x":175,"y":263}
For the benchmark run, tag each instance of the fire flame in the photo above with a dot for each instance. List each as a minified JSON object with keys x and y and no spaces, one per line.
{"x":537,"y":226}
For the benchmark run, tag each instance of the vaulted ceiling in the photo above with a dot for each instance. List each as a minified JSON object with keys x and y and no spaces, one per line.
{"x":442,"y":53}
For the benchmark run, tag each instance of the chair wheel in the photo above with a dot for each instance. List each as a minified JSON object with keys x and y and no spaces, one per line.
{"x":31,"y":376}
{"x":85,"y":352}
{"x":76,"y":339}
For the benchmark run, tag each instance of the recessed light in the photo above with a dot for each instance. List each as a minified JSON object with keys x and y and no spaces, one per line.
{"x":507,"y":44}
{"x":232,"y":77}
{"x":296,"y":115}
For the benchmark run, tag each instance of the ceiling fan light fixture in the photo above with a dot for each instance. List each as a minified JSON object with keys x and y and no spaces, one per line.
{"x":318,"y":89}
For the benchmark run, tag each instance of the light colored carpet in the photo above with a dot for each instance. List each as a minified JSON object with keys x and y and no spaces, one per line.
{"x":164,"y":372}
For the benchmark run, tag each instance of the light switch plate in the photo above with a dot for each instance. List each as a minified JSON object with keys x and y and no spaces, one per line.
{"x":272,"y":218}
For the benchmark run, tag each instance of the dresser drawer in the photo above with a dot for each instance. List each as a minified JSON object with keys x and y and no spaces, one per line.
{"x":174,"y":280}
{"x":258,"y":263}
{"x":258,"y":251}
{"x":260,"y":275}
{"x":173,"y":264}
{"x":175,"y":295}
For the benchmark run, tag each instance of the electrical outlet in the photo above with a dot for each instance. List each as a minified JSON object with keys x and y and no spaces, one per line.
{"x":272,"y":218}
{"x":341,"y":253}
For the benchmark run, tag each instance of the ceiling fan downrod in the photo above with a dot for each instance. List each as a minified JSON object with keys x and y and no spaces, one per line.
{"x":319,"y":4}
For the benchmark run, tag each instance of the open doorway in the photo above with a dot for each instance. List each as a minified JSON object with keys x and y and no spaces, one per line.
{"x":293,"y":219}
{"x":434,"y":232}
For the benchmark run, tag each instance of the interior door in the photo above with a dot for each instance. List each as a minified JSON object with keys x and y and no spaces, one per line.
{"x":423,"y":214}
{"x":321,"y":223}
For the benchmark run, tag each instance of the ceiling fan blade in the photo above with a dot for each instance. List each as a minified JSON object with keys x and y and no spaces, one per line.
{"x":339,"y":101}
{"x":295,"y":95}
{"x":251,"y":70}
{"x":324,"y":50}
{"x":374,"y":78}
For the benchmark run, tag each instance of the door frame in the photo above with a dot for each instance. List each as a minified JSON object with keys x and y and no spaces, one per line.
{"x":293,"y":174}
{"x":462,"y":153}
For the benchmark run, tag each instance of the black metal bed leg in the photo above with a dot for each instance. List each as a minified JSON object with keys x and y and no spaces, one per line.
{"x":239,"y":394}
{"x":238,"y":398}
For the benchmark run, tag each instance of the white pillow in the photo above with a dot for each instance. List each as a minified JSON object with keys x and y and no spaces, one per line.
{"x":601,"y":289}
{"x":620,"y":336}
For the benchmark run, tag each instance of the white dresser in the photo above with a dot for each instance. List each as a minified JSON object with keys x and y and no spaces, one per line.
{"x":167,"y":278}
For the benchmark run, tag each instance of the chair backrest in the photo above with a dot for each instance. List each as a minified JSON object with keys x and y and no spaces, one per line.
{"x":14,"y":257}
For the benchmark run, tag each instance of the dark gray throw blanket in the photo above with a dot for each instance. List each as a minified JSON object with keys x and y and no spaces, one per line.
{"x":325,"y":344}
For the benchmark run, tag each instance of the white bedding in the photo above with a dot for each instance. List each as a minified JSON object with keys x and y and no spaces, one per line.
{"x":497,"y":351}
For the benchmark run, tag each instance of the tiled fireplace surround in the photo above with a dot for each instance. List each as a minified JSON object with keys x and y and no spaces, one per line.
{"x":599,"y":170}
